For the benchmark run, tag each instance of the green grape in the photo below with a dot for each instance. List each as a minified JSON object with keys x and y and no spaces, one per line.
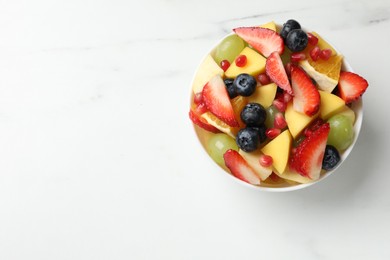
{"x":229,"y":49}
{"x":271,"y":112}
{"x":218,"y":144}
{"x":341,"y":132}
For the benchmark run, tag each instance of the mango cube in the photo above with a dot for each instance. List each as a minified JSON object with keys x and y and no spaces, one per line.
{"x":207,"y":69}
{"x":296,"y":121}
{"x":255,"y":64}
{"x":279,"y":150}
{"x":330,"y":104}
{"x":264,"y":95}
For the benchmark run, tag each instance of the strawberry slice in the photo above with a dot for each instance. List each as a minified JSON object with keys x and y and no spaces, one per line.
{"x":351,"y":86}
{"x":239,"y":167}
{"x":306,"y":98}
{"x":264,"y":40}
{"x":217,"y":100}
{"x":277,"y":73}
{"x":308,"y":156}
{"x":199,"y":121}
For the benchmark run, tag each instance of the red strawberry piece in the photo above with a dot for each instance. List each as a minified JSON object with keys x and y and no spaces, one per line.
{"x":198,"y":98}
{"x":201,"y":109}
{"x":217,"y":100}
{"x":276,"y":72}
{"x":197,"y":120}
{"x":264,"y":40}
{"x":308,"y":155}
{"x":351,"y":86}
{"x":239,"y":167}
{"x":306,"y":96}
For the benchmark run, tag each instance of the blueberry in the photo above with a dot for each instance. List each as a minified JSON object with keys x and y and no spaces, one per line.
{"x":331,"y":158}
{"x":253,"y":114}
{"x":297,"y":40}
{"x":230,"y":88}
{"x":288,"y":27}
{"x":261,"y":132}
{"x":248,"y":139}
{"x":244,"y":84}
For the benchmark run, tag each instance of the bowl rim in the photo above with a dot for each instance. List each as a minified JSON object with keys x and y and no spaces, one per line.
{"x":356,"y":106}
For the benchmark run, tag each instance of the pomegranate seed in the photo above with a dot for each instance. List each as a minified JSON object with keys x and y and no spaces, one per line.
{"x":225,"y":64}
{"x":280,"y":105}
{"x":312,"y":39}
{"x":298,"y":56}
{"x":271,"y":133}
{"x":315,"y":53}
{"x":265,"y":160}
{"x":263,"y":79}
{"x":241,"y":61}
{"x":287,"y":67}
{"x":274,"y":177}
{"x":286,"y":97}
{"x":325,"y":54}
{"x":198,"y":98}
{"x":279,"y":121}
{"x":201,"y":109}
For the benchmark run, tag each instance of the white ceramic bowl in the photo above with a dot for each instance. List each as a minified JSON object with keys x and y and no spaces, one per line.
{"x":357,"y":107}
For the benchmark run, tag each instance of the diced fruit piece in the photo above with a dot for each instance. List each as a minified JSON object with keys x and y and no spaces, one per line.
{"x":331,"y":158}
{"x":253,"y":114}
{"x":244,"y":84}
{"x":240,"y":61}
{"x":264,"y":40}
{"x":253,"y":160}
{"x":248,"y":139}
{"x":264,"y":95}
{"x":348,"y":112}
{"x":197,"y":120}
{"x":218,"y":144}
{"x":296,"y":121}
{"x":240,"y":168}
{"x":306,"y":97}
{"x":341,"y":132}
{"x":255,"y":64}
{"x":296,"y":40}
{"x":308,"y":156}
{"x":207,"y":69}
{"x":288,"y":27}
{"x":229,"y":49}
{"x":279,"y":150}
{"x":292,"y":175}
{"x":270,"y":25}
{"x":351,"y":86}
{"x":217,"y":100}
{"x":276,"y":72}
{"x":325,"y":72}
{"x":330,"y":104}
{"x":201,"y":109}
{"x":214,"y":121}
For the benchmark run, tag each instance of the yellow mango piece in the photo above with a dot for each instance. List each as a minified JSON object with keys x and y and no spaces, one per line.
{"x":279,"y":150}
{"x":264,"y":95}
{"x":252,"y":159}
{"x":207,"y":69}
{"x":291,"y":175}
{"x":296,"y":121}
{"x":330,"y":104}
{"x":271,"y":25}
{"x":255,"y":64}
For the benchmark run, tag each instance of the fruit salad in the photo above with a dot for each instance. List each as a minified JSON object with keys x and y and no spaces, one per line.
{"x":274,"y":105}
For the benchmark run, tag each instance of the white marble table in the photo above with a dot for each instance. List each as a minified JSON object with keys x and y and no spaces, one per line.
{"x":98,"y":159}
